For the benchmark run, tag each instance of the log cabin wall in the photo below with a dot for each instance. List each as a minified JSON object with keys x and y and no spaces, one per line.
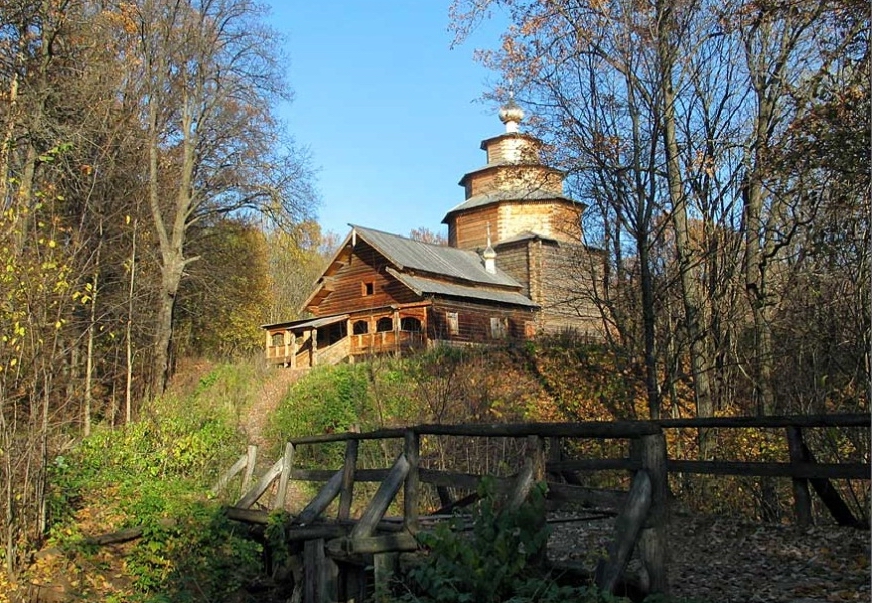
{"x":565,"y":277}
{"x":350,"y":293}
{"x":467,"y":322}
{"x":513,"y":259}
{"x":469,"y":229}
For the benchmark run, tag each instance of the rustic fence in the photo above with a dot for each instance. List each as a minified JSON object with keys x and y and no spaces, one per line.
{"x":642,"y":511}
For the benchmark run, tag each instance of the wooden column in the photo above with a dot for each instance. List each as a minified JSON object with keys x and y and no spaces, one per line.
{"x":268,"y":342}
{"x":652,"y":538}
{"x":801,"y":495}
{"x":314,"y":351}
{"x":410,"y":494}
{"x":287,"y":340}
{"x":293,"y":350}
{"x":397,"y":331}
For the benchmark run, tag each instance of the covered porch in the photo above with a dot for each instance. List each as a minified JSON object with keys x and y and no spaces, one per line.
{"x":344,"y":337}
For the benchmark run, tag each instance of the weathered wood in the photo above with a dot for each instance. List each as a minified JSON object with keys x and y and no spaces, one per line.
{"x":457,"y":504}
{"x":523,"y":484}
{"x":628,"y":524}
{"x":381,"y":434}
{"x":250,"y":464}
{"x":807,"y":470}
{"x":320,"y":574}
{"x":830,"y":496}
{"x":608,"y":499}
{"x":592,"y":465}
{"x":384,"y":568}
{"x":260,"y":487}
{"x":836,"y":420}
{"x":322,"y":500}
{"x":346,"y":492}
{"x":412,"y":481}
{"x":463,"y":481}
{"x":444,"y":495}
{"x":653,"y":546}
{"x":369,"y":545}
{"x":323,"y":475}
{"x":228,"y":475}
{"x":382,"y":499}
{"x":585,"y":429}
{"x":287,"y":462}
{"x":801,"y":495}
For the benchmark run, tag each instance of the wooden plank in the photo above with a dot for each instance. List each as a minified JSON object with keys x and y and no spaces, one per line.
{"x":457,"y":504}
{"x":836,"y":420}
{"x":320,"y":574}
{"x":608,"y":499}
{"x":228,"y":475}
{"x":323,"y":475}
{"x":801,"y":495}
{"x":369,"y":545}
{"x":806,"y":470}
{"x":592,"y":465}
{"x":628,"y":524}
{"x":322,"y":500}
{"x":260,"y":487}
{"x":382,"y":499}
{"x":287,"y":462}
{"x":346,"y":492}
{"x":412,"y":481}
{"x":587,"y":429}
{"x":831,"y":497}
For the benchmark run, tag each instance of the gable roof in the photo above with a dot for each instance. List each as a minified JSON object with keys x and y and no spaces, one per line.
{"x":437,"y":260}
{"x":420,"y":262}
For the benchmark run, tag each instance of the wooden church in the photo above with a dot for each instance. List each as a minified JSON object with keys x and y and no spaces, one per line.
{"x":514,"y":267}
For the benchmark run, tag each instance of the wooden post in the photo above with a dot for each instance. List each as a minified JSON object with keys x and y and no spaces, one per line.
{"x":386,"y":492}
{"x":286,"y":338}
{"x":314,"y":351}
{"x":801,"y":495}
{"x":347,"y":491}
{"x":250,"y":497}
{"x":320,"y":574}
{"x":322,"y":500}
{"x":249,"y":469}
{"x":268,"y":343}
{"x":384,"y":567}
{"x":628,"y":525}
{"x":410,"y":495}
{"x":293,"y":350}
{"x":652,"y":538}
{"x":287,"y":461}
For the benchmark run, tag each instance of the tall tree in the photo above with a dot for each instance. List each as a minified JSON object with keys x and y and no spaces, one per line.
{"x":207,"y":85}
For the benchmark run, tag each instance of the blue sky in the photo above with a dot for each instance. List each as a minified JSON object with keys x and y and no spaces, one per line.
{"x":390,"y":112}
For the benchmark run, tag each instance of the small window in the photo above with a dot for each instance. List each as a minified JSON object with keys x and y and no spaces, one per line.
{"x":453,"y":326}
{"x":499,"y":327}
{"x":384,"y":324}
{"x":367,"y":288}
{"x":278,"y":339}
{"x":411,"y":324}
{"x":360,"y":327}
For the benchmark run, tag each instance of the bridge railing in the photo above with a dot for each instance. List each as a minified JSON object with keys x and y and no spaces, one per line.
{"x":643,"y":509}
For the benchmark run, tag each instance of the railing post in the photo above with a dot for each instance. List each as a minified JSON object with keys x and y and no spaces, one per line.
{"x":250,"y":462}
{"x":652,"y":538}
{"x":348,"y":469}
{"x":801,"y":495}
{"x":410,"y":495}
{"x":287,"y":461}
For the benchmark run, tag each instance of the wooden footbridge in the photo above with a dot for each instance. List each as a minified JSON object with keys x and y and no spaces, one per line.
{"x":336,"y":559}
